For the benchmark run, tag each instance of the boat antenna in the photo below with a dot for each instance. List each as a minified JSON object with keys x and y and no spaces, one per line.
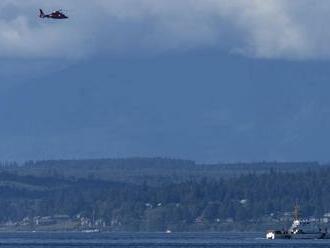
{"x":296,"y":211}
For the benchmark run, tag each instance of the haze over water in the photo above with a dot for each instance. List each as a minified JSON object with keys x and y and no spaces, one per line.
{"x":148,"y":240}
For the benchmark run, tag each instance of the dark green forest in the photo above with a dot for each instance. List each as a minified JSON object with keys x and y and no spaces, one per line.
{"x":161,"y":194}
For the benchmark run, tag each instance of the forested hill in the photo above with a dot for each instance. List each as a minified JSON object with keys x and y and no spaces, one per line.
{"x":153,"y":170}
{"x":242,"y":202}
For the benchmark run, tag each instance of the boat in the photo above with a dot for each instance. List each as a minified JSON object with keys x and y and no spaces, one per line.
{"x":300,"y":229}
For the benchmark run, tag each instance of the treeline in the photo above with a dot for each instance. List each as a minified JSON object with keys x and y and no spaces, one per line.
{"x":193,"y":204}
{"x":152,"y":170}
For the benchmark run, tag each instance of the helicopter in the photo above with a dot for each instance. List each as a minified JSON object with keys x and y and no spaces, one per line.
{"x":58,"y":14}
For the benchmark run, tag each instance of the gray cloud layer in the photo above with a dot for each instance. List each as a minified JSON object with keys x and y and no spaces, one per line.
{"x":257,"y":28}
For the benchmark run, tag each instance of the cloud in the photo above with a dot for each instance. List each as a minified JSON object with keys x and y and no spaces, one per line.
{"x":258,"y":28}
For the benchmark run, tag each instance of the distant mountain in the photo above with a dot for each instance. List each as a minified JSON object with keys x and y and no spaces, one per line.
{"x":201,"y":106}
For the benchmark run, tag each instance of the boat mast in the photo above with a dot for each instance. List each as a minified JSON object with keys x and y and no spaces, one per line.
{"x":296,"y":212}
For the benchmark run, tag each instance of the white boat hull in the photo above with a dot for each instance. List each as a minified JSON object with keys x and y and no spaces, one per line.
{"x":285,"y":235}
{"x":308,"y":236}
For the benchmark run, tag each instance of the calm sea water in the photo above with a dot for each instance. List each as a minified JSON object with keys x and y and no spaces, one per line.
{"x":147,"y":240}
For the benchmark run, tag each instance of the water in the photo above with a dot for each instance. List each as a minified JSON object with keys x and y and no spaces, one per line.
{"x":148,"y":240}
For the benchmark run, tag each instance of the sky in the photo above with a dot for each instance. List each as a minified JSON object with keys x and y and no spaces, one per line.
{"x":255,"y":28}
{"x":208,"y":80}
